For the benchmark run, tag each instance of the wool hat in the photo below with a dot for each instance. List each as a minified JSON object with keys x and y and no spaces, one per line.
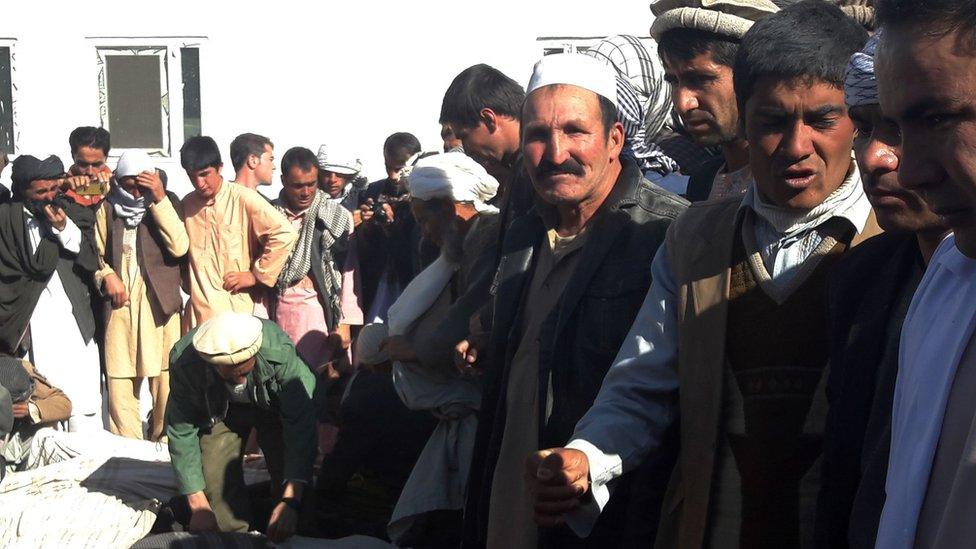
{"x":578,"y":70}
{"x":731,"y":18}
{"x":338,"y":161}
{"x":133,"y":162}
{"x":229,"y":338}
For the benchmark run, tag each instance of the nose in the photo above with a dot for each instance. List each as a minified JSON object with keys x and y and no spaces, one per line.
{"x":796,"y":144}
{"x":684,"y":99}
{"x":556,"y":150}
{"x":878,"y":158}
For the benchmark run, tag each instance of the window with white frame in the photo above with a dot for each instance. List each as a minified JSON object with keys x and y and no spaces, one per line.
{"x":149,"y":92}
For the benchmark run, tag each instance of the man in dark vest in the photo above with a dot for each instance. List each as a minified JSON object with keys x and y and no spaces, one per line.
{"x":47,"y":257}
{"x":732,"y":337}
{"x":141,"y":243}
{"x":571,"y":274}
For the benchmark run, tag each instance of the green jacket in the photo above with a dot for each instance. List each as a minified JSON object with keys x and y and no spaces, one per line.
{"x":280,"y":383}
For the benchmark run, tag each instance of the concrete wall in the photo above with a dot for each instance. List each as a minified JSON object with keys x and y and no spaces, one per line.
{"x":302,"y":73}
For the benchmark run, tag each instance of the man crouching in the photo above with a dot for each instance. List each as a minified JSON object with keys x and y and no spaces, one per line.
{"x":233,"y":373}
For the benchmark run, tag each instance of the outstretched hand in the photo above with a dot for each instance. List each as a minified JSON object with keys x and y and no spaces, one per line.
{"x":556,"y":479}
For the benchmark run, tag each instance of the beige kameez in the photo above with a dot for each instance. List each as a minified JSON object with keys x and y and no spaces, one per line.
{"x":135,"y":346}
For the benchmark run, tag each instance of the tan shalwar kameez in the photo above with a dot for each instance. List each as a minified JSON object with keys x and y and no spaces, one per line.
{"x":135,"y":347}
{"x":237,"y":230}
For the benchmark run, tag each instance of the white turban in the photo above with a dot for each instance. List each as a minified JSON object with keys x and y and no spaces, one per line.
{"x":860,"y":86}
{"x":368,"y":345}
{"x":338,"y":161}
{"x":452,"y":175}
{"x":574,"y":69}
{"x":133,"y":162}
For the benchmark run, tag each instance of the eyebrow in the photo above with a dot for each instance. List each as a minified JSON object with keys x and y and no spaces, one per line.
{"x":919,"y":109}
{"x":823,"y":110}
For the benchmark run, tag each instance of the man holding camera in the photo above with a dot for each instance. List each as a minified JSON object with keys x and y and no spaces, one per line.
{"x":47,"y":257}
{"x":88,"y":177}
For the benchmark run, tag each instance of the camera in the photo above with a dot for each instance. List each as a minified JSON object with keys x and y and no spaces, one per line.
{"x":379,"y":213}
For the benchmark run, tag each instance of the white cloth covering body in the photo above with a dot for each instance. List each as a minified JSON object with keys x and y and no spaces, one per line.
{"x":59,"y":350}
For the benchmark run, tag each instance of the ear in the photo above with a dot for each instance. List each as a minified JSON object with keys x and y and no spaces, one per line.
{"x":615,"y":139}
{"x":489,"y":119}
{"x":252,"y":161}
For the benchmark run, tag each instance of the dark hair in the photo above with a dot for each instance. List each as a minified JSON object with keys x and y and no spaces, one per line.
{"x":480,"y":87}
{"x":608,"y":114}
{"x":686,"y":44}
{"x":89,"y":136}
{"x":938,"y":16}
{"x":199,"y":153}
{"x":245,"y":145}
{"x":299,"y":157}
{"x":401,"y":144}
{"x":810,"y":39}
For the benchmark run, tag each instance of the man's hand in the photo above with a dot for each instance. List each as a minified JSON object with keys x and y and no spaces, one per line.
{"x":56,"y":217}
{"x":75,"y":182}
{"x":21,"y":410}
{"x":282,"y":523}
{"x":399,"y":349}
{"x":556,"y":479}
{"x":466,"y":355}
{"x":151,"y":185}
{"x":113,"y":288}
{"x":239,"y":281}
{"x":202,"y":518}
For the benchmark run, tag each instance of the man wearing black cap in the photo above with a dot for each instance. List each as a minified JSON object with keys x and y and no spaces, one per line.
{"x":47,"y":257}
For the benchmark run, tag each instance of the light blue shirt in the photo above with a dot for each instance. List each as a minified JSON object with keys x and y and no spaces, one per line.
{"x":936,"y":333}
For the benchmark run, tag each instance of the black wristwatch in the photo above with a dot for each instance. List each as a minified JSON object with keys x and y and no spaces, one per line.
{"x":293,"y":503}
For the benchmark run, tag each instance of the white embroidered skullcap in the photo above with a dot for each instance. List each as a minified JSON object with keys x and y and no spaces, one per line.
{"x":133,"y":162}
{"x":575,"y":69}
{"x":730,"y":18}
{"x":368,"y":343}
{"x":860,"y":85}
{"x":338,"y":161}
{"x":229,"y":338}
{"x":453,"y":175}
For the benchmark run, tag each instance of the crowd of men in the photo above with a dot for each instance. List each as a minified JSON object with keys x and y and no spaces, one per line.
{"x":713,"y":295}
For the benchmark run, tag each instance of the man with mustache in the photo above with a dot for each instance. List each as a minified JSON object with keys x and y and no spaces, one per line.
{"x":926,"y":67}
{"x":732,"y":337}
{"x":569,"y":283}
{"x":47,"y":261}
{"x":697,"y":42}
{"x":869,"y":297}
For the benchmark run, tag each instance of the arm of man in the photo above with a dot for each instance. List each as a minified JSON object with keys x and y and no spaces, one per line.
{"x":107,"y":281}
{"x":171,"y":227}
{"x":276,"y":235}
{"x":636,"y":404}
{"x":48,"y":404}
{"x":296,"y":384}
{"x":436,"y":349}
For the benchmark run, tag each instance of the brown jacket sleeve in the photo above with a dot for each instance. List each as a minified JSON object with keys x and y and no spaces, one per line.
{"x":52,"y":403}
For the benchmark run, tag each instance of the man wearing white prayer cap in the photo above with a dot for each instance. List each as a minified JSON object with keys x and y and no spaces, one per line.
{"x":572,"y":275}
{"x":141,"y":242}
{"x":229,"y":375}
{"x":698,"y":41}
{"x":339,"y":175}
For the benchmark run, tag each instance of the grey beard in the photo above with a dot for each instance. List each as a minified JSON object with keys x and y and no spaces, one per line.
{"x":452,"y":246}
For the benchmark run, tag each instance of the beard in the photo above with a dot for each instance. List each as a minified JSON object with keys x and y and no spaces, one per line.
{"x":452,"y":243}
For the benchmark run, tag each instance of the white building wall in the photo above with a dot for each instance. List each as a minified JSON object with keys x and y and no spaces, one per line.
{"x":302,"y":73}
